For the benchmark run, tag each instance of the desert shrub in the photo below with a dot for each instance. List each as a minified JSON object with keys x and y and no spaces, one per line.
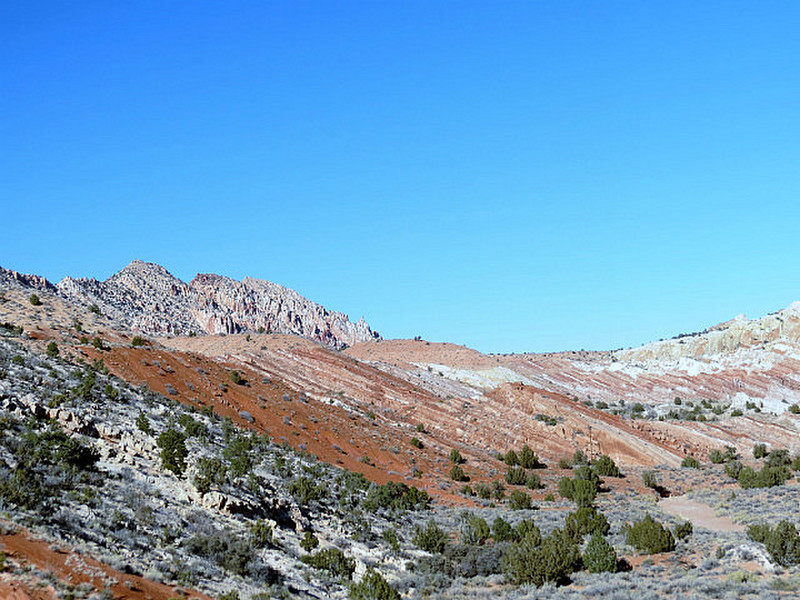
{"x":137,"y":341}
{"x":519,"y":500}
{"x":516,"y":476}
{"x":306,"y":491}
{"x":471,"y":561}
{"x":416,"y":443}
{"x":585,"y":521}
{"x":649,"y":479}
{"x":528,"y":529}
{"x":457,"y":473}
{"x":733,"y":469}
{"x":260,"y":534}
{"x":682,"y":530}
{"x":34,"y":299}
{"x":605,"y":466}
{"x":430,"y":538}
{"x":794,"y":408}
{"x":309,"y":541}
{"x":210,"y":471}
{"x":52,"y":350}
{"x":565,"y":488}
{"x":580,"y":458}
{"x":238,"y":452}
{"x":456,"y":458}
{"x":191,"y":427}
{"x":690,"y":462}
{"x":736,"y":412}
{"x":498,"y":490}
{"x":173,"y":451}
{"x":396,"y":496}
{"x":649,"y":536}
{"x":483,"y":491}
{"x":474,"y":529}
{"x":232,"y":553}
{"x":583,"y":492}
{"x":373,"y":587}
{"x":332,"y":560}
{"x":778,"y":458}
{"x":502,"y":531}
{"x":390,"y":537}
{"x":766,"y":477}
{"x":511,"y":458}
{"x":236,"y":377}
{"x":564,"y":463}
{"x":600,"y":556}
{"x":551,"y":560}
{"x":782,"y":541}
{"x":533,"y":481}
{"x":795,"y":464}
{"x":528,"y":459}
{"x":759,"y":450}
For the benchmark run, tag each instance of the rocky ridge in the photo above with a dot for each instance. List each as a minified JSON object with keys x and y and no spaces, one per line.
{"x":146,"y":298}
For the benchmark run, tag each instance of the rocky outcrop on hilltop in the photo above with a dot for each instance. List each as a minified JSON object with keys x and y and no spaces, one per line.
{"x":9,"y":277}
{"x":145,"y":297}
{"x":738,"y":362}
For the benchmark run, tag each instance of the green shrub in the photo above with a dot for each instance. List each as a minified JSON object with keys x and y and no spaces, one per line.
{"x":690,"y":462}
{"x":173,"y":451}
{"x":794,"y":409}
{"x":649,"y":479}
{"x":733,"y":469}
{"x":766,"y":477}
{"x":516,"y":476}
{"x":736,"y":412}
{"x":396,"y":496}
{"x":759,"y":450}
{"x":600,"y":556}
{"x":716,"y":456}
{"x":502,"y":531}
{"x":456,"y":458}
{"x":551,"y":560}
{"x":416,"y":443}
{"x":137,"y":341}
{"x":306,"y":491}
{"x":605,"y":466}
{"x":260,"y":534}
{"x":236,"y":377}
{"x":649,"y":536}
{"x":457,"y":473}
{"x":579,"y":458}
{"x":583,"y":492}
{"x":309,"y":541}
{"x":683,"y":530}
{"x":474,"y":529}
{"x":782,"y":541}
{"x":528,"y":459}
{"x":584,"y":521}
{"x":373,"y":587}
{"x":511,"y":458}
{"x":519,"y":500}
{"x":533,"y":481}
{"x":564,"y":463}
{"x":210,"y":471}
{"x":332,"y":560}
{"x":34,"y":299}
{"x":52,"y":350}
{"x":430,"y":538}
{"x":778,"y":458}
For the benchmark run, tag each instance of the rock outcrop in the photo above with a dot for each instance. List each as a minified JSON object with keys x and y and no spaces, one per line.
{"x":145,"y":297}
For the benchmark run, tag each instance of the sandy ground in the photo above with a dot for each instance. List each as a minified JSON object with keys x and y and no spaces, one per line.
{"x":701,"y":515}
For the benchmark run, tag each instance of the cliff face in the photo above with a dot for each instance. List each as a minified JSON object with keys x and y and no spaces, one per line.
{"x":146,"y":297}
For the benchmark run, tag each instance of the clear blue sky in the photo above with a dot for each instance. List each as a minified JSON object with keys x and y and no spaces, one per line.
{"x":514,"y":176}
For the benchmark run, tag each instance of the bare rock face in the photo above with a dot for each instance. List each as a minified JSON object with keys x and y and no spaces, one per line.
{"x":146,"y":297}
{"x":9,"y":277}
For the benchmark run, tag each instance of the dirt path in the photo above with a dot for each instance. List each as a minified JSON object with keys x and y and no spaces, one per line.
{"x":701,"y":515}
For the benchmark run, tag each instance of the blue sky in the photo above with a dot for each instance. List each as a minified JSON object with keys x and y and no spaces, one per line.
{"x":514,"y":176}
